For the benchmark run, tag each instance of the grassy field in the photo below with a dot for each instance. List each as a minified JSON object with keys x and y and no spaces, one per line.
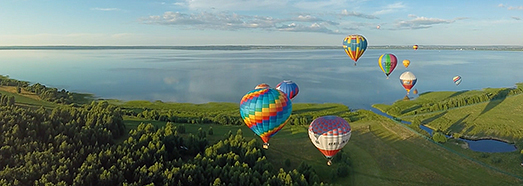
{"x":26,"y":98}
{"x":381,"y":152}
{"x":500,"y":118}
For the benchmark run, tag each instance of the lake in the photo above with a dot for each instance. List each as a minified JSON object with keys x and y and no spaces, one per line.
{"x":201,"y":76}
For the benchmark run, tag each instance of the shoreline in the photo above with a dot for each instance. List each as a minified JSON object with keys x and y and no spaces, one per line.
{"x":258,"y":47}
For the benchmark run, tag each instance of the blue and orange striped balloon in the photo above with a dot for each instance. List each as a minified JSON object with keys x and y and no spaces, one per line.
{"x":354,"y":46}
{"x":265,"y":112}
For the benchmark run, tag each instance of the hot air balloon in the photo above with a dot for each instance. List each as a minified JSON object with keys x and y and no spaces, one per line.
{"x":415,"y":47}
{"x":387,"y":63}
{"x":457,"y":80}
{"x":415,"y":91}
{"x":354,"y":46}
{"x":329,"y":134}
{"x":406,"y":63}
{"x":378,"y":27}
{"x":288,"y":87}
{"x":262,"y":85}
{"x":408,"y":80}
{"x":265,"y":111}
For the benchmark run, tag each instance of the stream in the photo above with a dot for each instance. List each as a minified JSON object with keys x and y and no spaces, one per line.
{"x":483,"y":145}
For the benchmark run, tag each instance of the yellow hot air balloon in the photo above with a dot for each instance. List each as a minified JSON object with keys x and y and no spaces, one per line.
{"x":406,"y":63}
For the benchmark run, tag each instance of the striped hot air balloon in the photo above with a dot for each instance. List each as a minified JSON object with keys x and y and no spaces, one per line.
{"x":457,"y":80}
{"x":355,"y":46}
{"x":387,"y":63}
{"x":265,"y":111}
{"x":329,"y":134}
{"x":262,"y":85}
{"x":288,"y":87}
{"x":408,"y":80}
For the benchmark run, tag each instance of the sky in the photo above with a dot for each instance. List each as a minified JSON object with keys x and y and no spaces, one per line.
{"x":259,"y":22}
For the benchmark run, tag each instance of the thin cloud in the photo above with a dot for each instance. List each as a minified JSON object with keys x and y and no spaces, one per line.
{"x":390,"y":8}
{"x":232,"y":21}
{"x":515,"y":8}
{"x":106,"y":9}
{"x":231,"y":5}
{"x":315,"y":27}
{"x":423,"y":22}
{"x":510,"y":7}
{"x":356,"y":14}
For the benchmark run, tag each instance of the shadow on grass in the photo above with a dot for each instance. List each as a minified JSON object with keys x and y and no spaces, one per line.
{"x":457,"y":93}
{"x":410,"y":109}
{"x":496,"y":100}
{"x":428,"y":120}
{"x":459,"y":125}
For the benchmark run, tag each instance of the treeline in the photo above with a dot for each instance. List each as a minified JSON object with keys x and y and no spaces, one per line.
{"x":51,"y":94}
{"x":454,"y":102}
{"x":223,"y":118}
{"x":45,"y":93}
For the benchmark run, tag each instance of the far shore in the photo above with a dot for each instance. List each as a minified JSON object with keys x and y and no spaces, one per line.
{"x":262,"y":47}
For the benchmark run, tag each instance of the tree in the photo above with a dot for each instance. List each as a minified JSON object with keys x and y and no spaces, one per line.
{"x":439,"y":137}
{"x":18,"y":90}
{"x":210,"y":132}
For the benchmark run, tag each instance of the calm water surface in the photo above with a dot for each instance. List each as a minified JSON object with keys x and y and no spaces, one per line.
{"x":201,"y":76}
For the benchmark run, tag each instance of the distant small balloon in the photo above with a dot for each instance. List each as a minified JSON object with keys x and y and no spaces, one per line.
{"x":378,"y":27}
{"x":406,"y":63}
{"x":415,"y":91}
{"x":457,"y":80}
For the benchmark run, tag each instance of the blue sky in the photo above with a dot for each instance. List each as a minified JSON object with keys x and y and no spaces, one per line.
{"x":259,"y":22}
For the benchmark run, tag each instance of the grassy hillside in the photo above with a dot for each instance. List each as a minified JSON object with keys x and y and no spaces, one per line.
{"x":497,"y":118}
{"x":381,"y":152}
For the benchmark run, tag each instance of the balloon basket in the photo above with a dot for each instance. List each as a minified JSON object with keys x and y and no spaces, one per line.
{"x":265,"y":145}
{"x":329,"y":163}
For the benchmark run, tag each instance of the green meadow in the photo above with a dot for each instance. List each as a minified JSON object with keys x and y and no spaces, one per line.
{"x":380,"y":151}
{"x":496,"y":118}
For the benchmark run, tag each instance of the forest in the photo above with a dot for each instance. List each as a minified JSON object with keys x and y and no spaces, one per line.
{"x":78,"y":146}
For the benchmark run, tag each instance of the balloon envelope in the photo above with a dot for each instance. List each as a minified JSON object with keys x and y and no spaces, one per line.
{"x":408,"y":80}
{"x":387,"y":63}
{"x":265,"y":111}
{"x":329,"y":134}
{"x":415,"y":47}
{"x":262,"y":85}
{"x":457,"y":80}
{"x":354,"y":46}
{"x":289,"y":88}
{"x":406,"y":63}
